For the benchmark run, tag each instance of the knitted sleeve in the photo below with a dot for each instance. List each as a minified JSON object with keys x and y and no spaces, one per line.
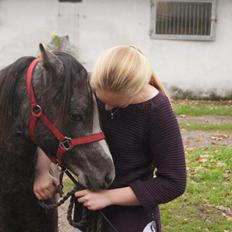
{"x":167,"y":153}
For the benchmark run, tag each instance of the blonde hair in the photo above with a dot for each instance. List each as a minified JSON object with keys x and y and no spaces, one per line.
{"x":123,"y":69}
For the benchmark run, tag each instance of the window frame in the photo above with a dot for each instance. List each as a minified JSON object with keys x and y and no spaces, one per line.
{"x":153,"y":34}
{"x":70,"y":1}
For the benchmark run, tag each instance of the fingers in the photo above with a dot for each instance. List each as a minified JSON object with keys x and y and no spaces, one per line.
{"x":44,"y":194}
{"x":85,"y":201}
{"x":87,"y":205}
{"x":82,"y":199}
{"x":44,"y":191}
{"x":85,"y":197}
{"x":82,"y":196}
{"x":37,"y":194}
{"x":81,"y":193}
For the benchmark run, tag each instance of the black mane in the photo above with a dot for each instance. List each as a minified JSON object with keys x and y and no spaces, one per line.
{"x":9,"y":103}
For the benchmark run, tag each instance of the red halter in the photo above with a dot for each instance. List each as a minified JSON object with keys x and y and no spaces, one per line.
{"x":65,"y":143}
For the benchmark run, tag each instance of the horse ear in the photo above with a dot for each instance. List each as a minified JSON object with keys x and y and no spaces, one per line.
{"x":50,"y":58}
{"x":43,"y":54}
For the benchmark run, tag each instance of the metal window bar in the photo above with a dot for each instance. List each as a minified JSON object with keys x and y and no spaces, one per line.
{"x":206,"y":21}
{"x":177,"y":19}
{"x":190,"y":21}
{"x":201,"y":32}
{"x":184,"y":18}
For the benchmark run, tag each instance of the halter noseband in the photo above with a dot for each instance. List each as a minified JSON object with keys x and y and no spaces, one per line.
{"x":65,"y":143}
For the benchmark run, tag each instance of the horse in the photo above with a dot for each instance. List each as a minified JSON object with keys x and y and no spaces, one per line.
{"x":57,"y":112}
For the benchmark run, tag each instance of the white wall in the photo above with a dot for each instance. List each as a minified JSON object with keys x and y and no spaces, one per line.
{"x":187,"y":64}
{"x":95,"y":25}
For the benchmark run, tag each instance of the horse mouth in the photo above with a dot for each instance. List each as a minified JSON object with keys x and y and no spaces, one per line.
{"x":94,"y":184}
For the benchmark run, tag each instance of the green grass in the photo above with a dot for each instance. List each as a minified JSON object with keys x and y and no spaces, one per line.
{"x":206,"y":127}
{"x":200,"y":110}
{"x":68,"y":184}
{"x":205,"y":205}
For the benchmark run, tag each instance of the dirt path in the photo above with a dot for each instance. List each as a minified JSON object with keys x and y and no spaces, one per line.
{"x":63,"y":223}
{"x":191,"y":139}
{"x":195,"y":139}
{"x":205,"y":119}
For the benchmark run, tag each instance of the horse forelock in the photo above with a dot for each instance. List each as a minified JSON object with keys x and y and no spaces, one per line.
{"x":72,"y":69}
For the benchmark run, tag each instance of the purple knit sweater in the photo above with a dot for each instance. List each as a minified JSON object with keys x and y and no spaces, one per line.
{"x":144,"y":139}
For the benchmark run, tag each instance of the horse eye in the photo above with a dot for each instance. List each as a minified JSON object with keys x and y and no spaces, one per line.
{"x":76,"y":117}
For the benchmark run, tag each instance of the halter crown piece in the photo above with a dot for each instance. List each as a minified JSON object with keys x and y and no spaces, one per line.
{"x":65,"y":143}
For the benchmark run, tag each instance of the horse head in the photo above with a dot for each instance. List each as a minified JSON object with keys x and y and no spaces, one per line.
{"x":61,"y":89}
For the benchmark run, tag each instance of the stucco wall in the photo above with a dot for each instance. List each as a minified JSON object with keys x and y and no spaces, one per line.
{"x":23,"y":24}
{"x":95,"y":25}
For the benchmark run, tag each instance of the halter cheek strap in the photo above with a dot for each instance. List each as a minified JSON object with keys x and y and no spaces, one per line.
{"x":65,"y":143}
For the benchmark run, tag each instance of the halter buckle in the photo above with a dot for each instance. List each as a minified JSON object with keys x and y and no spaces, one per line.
{"x":36,"y":110}
{"x":66,"y":144}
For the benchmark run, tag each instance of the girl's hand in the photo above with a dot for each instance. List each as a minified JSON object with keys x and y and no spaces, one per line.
{"x":44,"y":185}
{"x":94,"y":200}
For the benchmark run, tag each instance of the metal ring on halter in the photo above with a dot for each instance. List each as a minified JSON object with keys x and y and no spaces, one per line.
{"x":66,"y":144}
{"x":36,"y":110}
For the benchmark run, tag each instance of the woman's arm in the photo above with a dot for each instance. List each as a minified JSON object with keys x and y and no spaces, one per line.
{"x":167,"y":153}
{"x":44,"y":183}
{"x":95,"y":200}
{"x":43,"y":162}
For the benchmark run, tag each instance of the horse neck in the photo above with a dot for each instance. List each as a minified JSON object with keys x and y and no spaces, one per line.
{"x":17,"y":161}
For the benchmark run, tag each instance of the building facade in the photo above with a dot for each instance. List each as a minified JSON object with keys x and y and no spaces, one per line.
{"x":199,"y":65}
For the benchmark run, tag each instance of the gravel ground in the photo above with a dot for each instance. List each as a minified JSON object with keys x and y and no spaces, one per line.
{"x":206,"y":119}
{"x":204,"y":138}
{"x":63,"y":223}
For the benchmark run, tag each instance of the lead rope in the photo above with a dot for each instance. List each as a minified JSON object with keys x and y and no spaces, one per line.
{"x":91,"y":221}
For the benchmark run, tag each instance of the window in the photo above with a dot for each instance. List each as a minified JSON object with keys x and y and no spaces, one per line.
{"x":183,"y":19}
{"x":70,"y":0}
